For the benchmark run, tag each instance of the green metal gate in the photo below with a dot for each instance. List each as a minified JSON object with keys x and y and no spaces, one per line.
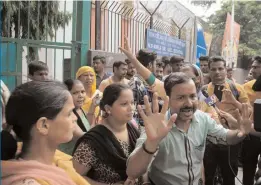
{"x":55,"y":32}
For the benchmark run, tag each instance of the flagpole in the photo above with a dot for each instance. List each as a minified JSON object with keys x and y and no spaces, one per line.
{"x":232,"y":34}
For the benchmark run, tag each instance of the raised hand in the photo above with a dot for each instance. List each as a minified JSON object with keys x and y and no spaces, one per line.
{"x":156,"y":125}
{"x":245,"y":124}
{"x":228,"y":97}
{"x":142,"y":70}
{"x":127,"y":50}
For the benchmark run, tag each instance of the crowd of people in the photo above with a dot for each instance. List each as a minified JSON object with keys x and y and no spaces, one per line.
{"x":159,"y":121}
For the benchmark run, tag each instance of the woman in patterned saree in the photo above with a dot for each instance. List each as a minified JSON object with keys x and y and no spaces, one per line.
{"x":101,"y":154}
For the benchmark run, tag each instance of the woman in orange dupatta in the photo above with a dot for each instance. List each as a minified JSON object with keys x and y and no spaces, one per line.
{"x":87,"y":76}
{"x":41,"y":114}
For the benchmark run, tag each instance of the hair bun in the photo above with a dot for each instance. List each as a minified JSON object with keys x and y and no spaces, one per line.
{"x":8,"y":146}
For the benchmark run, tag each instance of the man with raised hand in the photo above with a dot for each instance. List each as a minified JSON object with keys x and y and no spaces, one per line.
{"x":176,"y":136}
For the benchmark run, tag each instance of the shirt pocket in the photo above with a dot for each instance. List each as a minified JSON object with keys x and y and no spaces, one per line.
{"x":198,"y":149}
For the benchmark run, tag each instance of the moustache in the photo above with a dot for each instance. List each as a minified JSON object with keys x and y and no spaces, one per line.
{"x":187,"y":109}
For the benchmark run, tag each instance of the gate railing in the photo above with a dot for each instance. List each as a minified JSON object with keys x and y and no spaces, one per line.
{"x":37,"y":30}
{"x":118,"y":19}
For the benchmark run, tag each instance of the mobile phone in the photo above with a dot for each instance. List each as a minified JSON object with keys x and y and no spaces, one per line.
{"x":97,"y":99}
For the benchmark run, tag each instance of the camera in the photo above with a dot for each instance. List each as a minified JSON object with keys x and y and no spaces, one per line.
{"x":97,"y":97}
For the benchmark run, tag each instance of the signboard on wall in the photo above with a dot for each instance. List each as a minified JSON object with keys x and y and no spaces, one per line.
{"x":165,"y":45}
{"x":201,"y":44}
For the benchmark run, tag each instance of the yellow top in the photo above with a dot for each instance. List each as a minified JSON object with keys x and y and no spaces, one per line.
{"x":64,"y":162}
{"x":229,"y":108}
{"x":252,"y":95}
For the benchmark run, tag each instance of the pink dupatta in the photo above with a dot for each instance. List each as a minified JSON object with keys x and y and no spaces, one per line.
{"x":15,"y":170}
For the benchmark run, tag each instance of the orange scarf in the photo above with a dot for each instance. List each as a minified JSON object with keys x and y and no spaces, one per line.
{"x":88,"y":100}
{"x":61,"y":173}
{"x":13,"y":171}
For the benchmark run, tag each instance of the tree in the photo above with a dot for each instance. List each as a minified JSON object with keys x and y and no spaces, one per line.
{"x":14,"y":21}
{"x":248,"y":15}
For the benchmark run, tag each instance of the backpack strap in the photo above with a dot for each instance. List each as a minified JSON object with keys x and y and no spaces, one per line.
{"x":205,"y":88}
{"x":233,"y":89}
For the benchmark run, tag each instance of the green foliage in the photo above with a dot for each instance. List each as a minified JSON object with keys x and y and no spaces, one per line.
{"x":248,"y":15}
{"x":44,"y":19}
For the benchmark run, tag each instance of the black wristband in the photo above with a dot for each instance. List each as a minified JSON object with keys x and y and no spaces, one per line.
{"x":148,"y":152}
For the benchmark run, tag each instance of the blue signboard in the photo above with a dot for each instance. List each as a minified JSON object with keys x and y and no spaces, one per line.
{"x":165,"y":45}
{"x":201,"y":44}
{"x":201,"y":51}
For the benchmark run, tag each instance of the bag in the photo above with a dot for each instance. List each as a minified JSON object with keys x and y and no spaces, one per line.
{"x":232,"y":87}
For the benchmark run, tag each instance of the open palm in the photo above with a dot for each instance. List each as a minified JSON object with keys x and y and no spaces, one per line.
{"x":156,"y":125}
{"x":245,"y":124}
{"x":228,"y":97}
